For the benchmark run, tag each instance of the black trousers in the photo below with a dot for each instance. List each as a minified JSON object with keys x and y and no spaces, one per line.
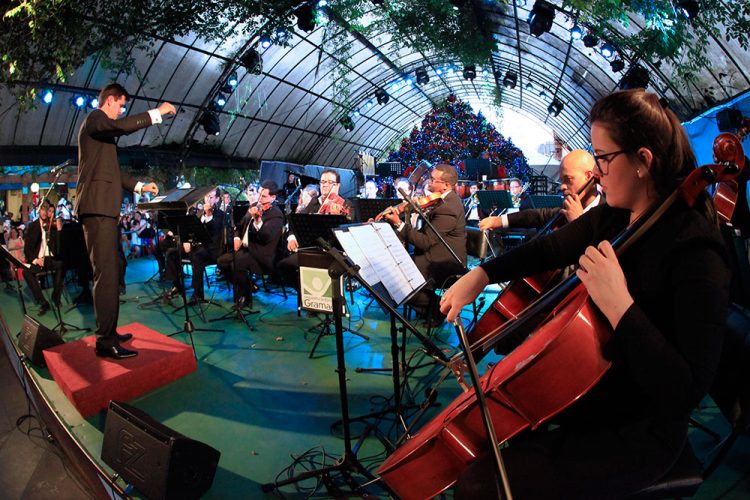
{"x":199,"y":258}
{"x":102,"y":241}
{"x":245,"y":262}
{"x":31,"y":278}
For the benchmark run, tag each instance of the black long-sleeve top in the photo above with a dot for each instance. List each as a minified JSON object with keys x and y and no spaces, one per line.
{"x":666,"y":347}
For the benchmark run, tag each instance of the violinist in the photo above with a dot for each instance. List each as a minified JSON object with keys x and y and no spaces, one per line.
{"x":329,"y":202}
{"x":200,"y":255}
{"x":665,"y":298}
{"x":41,"y":242}
{"x":576,"y":169}
{"x":255,"y":243}
{"x":434,"y":261}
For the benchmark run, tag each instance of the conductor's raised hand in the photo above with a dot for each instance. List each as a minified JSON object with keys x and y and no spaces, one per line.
{"x":463,"y":292}
{"x":151,"y":187}
{"x":166,"y":108}
{"x":605,"y":282}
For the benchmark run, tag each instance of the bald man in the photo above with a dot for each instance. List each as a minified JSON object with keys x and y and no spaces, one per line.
{"x":575,"y":171}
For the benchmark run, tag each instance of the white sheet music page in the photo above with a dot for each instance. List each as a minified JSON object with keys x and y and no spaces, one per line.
{"x":382,"y":260}
{"x":357,"y":255}
{"x":403,"y":259}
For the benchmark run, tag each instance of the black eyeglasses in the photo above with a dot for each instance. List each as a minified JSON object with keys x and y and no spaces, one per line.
{"x":603,"y":160}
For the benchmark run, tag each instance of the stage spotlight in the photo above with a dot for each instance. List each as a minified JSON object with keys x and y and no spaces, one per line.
{"x":689,"y":8}
{"x":422,"y":76}
{"x":382,"y":96}
{"x":470,"y":72}
{"x":347,"y":123}
{"x":541,"y":17}
{"x":607,"y":50}
{"x":265,"y":42}
{"x":322,"y":3}
{"x":617,"y":65}
{"x":510,"y":80}
{"x":93,"y":102}
{"x":576,"y":32}
{"x":555,"y":107}
{"x":221,"y":100}
{"x":438,"y":71}
{"x":78,"y":101}
{"x":635,"y":78}
{"x":305,"y":17}
{"x":590,"y":40}
{"x":210,"y":123}
{"x":252,"y":61}
{"x":529,"y":86}
{"x":47,"y":96}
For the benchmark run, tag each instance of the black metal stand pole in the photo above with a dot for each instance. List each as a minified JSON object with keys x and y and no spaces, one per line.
{"x":187,"y":326}
{"x":348,"y":461}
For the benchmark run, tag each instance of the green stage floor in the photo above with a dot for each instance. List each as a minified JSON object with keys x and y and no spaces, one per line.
{"x":259,"y":399}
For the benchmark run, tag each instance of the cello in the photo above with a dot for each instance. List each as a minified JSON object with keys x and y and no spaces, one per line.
{"x":516,"y":296}
{"x":524,"y":389}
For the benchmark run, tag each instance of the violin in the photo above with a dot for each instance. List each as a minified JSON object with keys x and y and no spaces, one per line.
{"x":333,"y":199}
{"x":424,"y":202}
{"x":526,"y":388}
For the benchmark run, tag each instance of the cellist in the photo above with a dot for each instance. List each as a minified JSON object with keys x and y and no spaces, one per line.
{"x":665,"y":298}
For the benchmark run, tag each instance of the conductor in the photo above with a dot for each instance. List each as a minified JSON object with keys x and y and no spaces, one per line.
{"x":100,"y":185}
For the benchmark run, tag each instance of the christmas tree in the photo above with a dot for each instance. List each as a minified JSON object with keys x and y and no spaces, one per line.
{"x":451,"y":132}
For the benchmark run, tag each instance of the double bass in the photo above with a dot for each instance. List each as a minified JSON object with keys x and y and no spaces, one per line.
{"x":525,"y":389}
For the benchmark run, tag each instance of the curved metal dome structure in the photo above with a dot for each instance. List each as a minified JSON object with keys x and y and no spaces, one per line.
{"x":289,"y":110}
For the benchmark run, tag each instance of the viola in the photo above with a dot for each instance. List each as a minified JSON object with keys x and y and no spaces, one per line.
{"x":551,"y":370}
{"x":516,"y":296}
{"x":424,"y":202}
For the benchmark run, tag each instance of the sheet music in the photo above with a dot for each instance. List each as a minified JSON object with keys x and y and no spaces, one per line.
{"x":403,"y":259}
{"x":357,"y":256}
{"x":26,"y":265}
{"x":379,"y":249}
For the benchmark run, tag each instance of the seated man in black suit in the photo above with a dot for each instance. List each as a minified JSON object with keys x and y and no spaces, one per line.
{"x":41,"y":250}
{"x":200,"y":255}
{"x":255,"y":243}
{"x":433,"y":259}
{"x":329,"y":202}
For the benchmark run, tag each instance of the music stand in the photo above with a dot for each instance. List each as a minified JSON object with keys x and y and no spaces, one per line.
{"x":5,"y":253}
{"x":315,"y":259}
{"x":491,"y":201}
{"x":195,"y":232}
{"x":370,"y":208}
{"x":187,"y":227}
{"x":545,"y":201}
{"x":478,"y":169}
{"x":307,"y":228}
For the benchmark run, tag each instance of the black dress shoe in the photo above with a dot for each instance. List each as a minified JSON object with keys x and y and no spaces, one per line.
{"x":174,"y":292}
{"x":124,"y":337}
{"x":43,"y":308}
{"x":115,"y":352}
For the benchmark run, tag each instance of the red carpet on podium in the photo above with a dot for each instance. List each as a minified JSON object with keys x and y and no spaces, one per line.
{"x":91,"y":382}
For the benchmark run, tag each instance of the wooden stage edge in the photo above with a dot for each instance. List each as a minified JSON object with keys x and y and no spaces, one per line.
{"x":87,"y":470}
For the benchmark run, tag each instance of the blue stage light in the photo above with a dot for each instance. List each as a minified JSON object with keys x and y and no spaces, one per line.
{"x":47,"y":96}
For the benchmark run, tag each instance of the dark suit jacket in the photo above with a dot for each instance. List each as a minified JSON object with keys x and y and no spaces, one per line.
{"x":535,"y":217}
{"x":215,"y":228}
{"x":100,"y":181}
{"x":32,"y":240}
{"x":430,"y":255}
{"x":262,"y":243}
